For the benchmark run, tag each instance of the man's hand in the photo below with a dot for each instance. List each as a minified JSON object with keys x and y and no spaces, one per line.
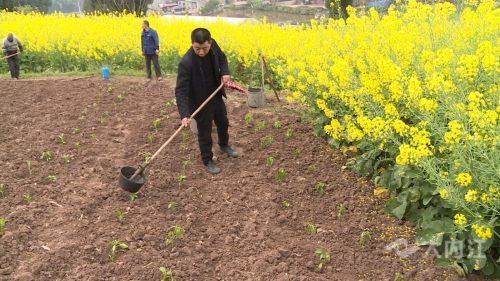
{"x":157,"y":52}
{"x":185,"y":121}
{"x":226,"y":78}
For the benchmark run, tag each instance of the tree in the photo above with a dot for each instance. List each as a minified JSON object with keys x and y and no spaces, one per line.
{"x":338,"y":8}
{"x":137,"y":6}
{"x":6,"y":4}
{"x":40,"y":5}
{"x":210,"y":7}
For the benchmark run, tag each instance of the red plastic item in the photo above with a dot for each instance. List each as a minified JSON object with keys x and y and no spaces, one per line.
{"x":234,"y":86}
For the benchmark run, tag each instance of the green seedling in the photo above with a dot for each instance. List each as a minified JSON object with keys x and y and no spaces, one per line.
{"x":296,"y":152}
{"x":133,"y":197}
{"x":365,"y":237}
{"x":324,"y":258}
{"x":27,"y":198}
{"x":167,"y":274}
{"x":186,"y":137}
{"x":281,"y":175}
{"x":399,"y":277}
{"x":67,"y":158}
{"x":261,"y":125}
{"x":171,"y":205}
{"x":102,"y":120}
{"x":175,"y":232}
{"x":120,"y":216}
{"x":76,"y":131}
{"x":46,"y":155}
{"x":185,"y":163}
{"x":163,"y":113}
{"x":78,"y":145}
{"x":2,"y":189}
{"x":61,"y":138}
{"x":117,"y":246}
{"x":181,"y":179}
{"x":3,"y":224}
{"x":183,"y":147}
{"x":29,"y":164}
{"x":147,"y":157}
{"x":311,"y":229}
{"x":266,"y":141}
{"x":320,"y":187}
{"x":248,"y":118}
{"x":151,"y":138}
{"x":277,"y":124}
{"x":269,"y":161}
{"x":289,"y":133}
{"x":312,"y":168}
{"x":341,"y":210}
{"x":52,"y":178}
{"x":93,"y":136}
{"x":120,"y":97}
{"x":285,"y":204}
{"x":168,"y":104}
{"x":156,"y":125}
{"x":110,"y":89}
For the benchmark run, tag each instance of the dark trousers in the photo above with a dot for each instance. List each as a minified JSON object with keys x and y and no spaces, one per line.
{"x":214,"y":112}
{"x":156,"y":64}
{"x":13,"y":63}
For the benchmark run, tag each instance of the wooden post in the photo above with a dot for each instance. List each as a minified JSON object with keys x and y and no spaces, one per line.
{"x":268,"y":72}
{"x":262,"y":73}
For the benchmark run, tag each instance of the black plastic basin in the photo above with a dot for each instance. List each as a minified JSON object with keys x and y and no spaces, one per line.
{"x":128,"y":185}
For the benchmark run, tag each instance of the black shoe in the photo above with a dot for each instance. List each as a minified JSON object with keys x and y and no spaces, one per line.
{"x":211,"y":168}
{"x":231,"y":152}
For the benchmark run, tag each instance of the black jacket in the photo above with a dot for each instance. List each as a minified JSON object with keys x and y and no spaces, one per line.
{"x":190,"y":91}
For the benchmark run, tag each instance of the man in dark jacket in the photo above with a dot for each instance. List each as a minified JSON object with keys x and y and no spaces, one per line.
{"x":201,"y":70}
{"x":150,"y":44}
{"x":11,"y":46}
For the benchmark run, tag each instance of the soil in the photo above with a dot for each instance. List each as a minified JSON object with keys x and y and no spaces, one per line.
{"x":235,"y":224}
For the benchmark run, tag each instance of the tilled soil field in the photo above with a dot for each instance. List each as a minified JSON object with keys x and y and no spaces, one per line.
{"x":63,"y":141}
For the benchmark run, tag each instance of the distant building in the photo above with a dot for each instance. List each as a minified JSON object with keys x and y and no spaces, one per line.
{"x":177,"y":7}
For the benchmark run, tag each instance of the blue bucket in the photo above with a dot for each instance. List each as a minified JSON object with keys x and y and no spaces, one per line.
{"x":105,"y":73}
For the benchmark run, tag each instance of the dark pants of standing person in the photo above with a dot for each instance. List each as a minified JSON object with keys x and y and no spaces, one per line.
{"x":156,"y":64}
{"x":214,"y":112}
{"x":13,"y":63}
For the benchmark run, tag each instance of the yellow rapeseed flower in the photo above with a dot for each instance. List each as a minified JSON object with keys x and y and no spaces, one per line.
{"x":463,"y":179}
{"x":460,"y":219}
{"x":471,"y":196}
{"x":484,"y":232}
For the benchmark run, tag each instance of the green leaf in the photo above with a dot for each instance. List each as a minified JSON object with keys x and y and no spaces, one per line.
{"x":428,"y":215}
{"x":461,"y":270}
{"x":333,"y":142}
{"x":434,"y":232}
{"x":429,"y":237}
{"x":367,"y":167}
{"x":413,"y":194}
{"x":395,"y":207}
{"x":443,"y":262}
